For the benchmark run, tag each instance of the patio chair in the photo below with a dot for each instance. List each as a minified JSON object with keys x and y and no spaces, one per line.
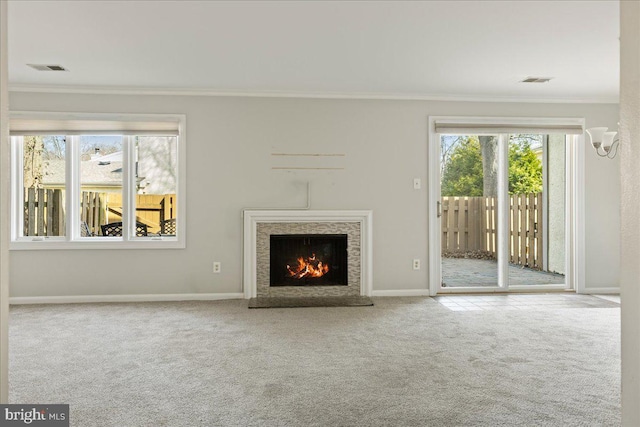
{"x":114,"y":229}
{"x":85,"y":231}
{"x":168,"y":226}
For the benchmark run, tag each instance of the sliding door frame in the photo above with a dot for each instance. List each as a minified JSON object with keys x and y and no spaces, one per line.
{"x":574,"y":206}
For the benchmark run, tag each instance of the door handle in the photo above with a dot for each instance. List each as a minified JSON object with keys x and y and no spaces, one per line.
{"x":438,"y":209}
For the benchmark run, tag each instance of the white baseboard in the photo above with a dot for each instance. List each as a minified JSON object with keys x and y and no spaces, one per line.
{"x":123,"y":298}
{"x":604,"y":291}
{"x":402,"y":293}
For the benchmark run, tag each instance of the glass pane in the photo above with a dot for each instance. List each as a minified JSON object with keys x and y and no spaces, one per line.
{"x":156,"y":181}
{"x":101,"y":186}
{"x":537,"y":207}
{"x":44,"y":177}
{"x":469,"y":189}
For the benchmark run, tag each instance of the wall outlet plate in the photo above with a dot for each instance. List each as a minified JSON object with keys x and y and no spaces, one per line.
{"x":416,"y":264}
{"x":216,"y":267}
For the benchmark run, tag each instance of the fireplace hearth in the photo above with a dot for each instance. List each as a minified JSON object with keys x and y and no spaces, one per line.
{"x":308,"y":260}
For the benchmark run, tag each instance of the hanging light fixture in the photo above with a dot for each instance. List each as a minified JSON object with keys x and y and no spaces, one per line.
{"x":604,"y":142}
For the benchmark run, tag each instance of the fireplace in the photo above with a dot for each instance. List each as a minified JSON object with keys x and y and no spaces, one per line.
{"x":347,"y":234}
{"x":308,"y":260}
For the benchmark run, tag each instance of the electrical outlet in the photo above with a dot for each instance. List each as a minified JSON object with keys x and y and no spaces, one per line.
{"x":416,"y":264}
{"x":216,"y":267}
{"x":417,"y":183}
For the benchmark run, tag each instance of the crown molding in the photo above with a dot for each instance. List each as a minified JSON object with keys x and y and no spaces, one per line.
{"x":131,"y":90}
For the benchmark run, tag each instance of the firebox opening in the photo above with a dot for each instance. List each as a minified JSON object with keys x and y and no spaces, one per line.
{"x":308,"y":259}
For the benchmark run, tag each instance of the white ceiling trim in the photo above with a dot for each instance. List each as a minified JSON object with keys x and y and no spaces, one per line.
{"x":102,"y":90}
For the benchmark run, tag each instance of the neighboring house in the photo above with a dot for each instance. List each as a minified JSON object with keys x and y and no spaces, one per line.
{"x":157,"y":165}
{"x":156,"y":183}
{"x":157,"y":159}
{"x":537,"y":149}
{"x":103,"y":175}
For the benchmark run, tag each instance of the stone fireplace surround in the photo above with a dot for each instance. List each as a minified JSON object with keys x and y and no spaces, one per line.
{"x":259,"y":225}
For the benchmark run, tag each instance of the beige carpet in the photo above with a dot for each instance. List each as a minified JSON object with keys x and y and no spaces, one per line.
{"x":402,"y":362}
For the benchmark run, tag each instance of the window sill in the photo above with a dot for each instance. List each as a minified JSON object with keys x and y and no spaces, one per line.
{"x":97,"y":243}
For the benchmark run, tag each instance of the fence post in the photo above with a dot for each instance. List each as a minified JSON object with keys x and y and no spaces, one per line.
{"x":539,"y":232}
{"x":443,"y":223}
{"x":102,"y":198}
{"x":512,"y":226}
{"x":478,"y":223}
{"x":31,"y":211}
{"x":58,"y":217}
{"x":50,"y":213}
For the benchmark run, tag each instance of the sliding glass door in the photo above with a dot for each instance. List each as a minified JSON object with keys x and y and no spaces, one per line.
{"x":501,"y":211}
{"x":470,"y":209}
{"x":537,"y":215}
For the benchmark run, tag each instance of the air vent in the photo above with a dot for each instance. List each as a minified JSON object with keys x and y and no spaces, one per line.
{"x":536,"y":80}
{"x":44,"y":67}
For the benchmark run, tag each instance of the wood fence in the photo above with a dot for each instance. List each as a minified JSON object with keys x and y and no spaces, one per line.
{"x":525,"y":230}
{"x":93,"y":210}
{"x":151,"y":209}
{"x":44,"y":211}
{"x":469,"y":224}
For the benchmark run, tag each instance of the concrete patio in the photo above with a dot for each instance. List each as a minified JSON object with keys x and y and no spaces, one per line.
{"x":459,"y":272}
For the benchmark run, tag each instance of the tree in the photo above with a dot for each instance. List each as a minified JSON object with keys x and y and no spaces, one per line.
{"x":33,"y":150}
{"x":462,"y":173}
{"x":54,"y":147}
{"x":489,"y":147}
{"x":525,"y":169}
{"x":470,"y":168}
{"x":38,"y":152}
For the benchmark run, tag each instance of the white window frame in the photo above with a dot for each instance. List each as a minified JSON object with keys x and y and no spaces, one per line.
{"x":72,"y":238}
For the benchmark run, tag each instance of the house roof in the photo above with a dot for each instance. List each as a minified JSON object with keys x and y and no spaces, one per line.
{"x":92,"y":173}
{"x":111,"y":157}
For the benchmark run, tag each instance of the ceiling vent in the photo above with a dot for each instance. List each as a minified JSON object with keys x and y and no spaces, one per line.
{"x":44,"y":67}
{"x":536,"y":80}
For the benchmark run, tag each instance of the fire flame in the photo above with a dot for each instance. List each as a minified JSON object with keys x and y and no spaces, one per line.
{"x":311,"y":267}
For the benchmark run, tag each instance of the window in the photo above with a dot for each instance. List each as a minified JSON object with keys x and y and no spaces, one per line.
{"x":103,"y":182}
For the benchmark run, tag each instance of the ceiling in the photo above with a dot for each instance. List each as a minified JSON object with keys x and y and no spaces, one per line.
{"x":424,"y":50}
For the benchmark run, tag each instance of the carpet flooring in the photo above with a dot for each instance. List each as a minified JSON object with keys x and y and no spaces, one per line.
{"x":402,"y":362}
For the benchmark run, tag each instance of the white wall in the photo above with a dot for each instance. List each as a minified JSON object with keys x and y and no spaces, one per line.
{"x":602,"y":183}
{"x":4,"y":207}
{"x":630,"y":256}
{"x":556,"y":184}
{"x":230,"y":141}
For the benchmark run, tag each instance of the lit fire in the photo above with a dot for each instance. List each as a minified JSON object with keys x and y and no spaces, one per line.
{"x":311,"y":267}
